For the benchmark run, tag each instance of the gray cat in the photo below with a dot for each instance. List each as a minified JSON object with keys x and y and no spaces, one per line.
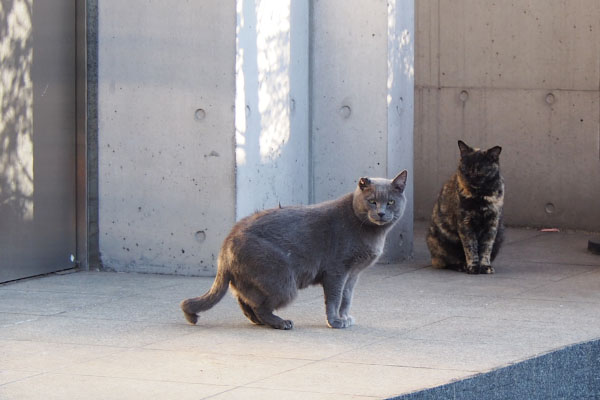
{"x":271,"y":254}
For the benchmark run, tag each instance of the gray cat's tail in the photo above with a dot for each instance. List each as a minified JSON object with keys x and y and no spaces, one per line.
{"x":191,"y":307}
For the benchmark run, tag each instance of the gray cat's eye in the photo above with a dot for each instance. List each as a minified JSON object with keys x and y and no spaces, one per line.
{"x":390,"y":202}
{"x":371,"y":201}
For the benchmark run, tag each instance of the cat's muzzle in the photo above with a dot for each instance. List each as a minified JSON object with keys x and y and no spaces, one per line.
{"x":379,"y":220}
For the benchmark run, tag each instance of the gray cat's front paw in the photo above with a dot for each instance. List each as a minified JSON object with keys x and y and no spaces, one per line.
{"x":349,"y":319}
{"x":339,"y":323}
{"x":487,"y":269}
{"x":284,"y":324}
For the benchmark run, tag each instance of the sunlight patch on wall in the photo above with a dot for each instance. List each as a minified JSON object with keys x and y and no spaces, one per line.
{"x":273,"y":61}
{"x":16,"y":108}
{"x":400,"y":49}
{"x":240,"y":91}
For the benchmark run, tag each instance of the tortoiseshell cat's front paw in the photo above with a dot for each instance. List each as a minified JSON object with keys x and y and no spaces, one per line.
{"x":487,"y":269}
{"x":472,"y":269}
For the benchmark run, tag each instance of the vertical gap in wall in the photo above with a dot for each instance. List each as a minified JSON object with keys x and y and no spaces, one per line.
{"x":439,"y":49}
{"x":236,"y":34}
{"x":92,"y":133}
{"x":81,"y":219}
{"x":438,"y":95}
{"x":389,"y":66}
{"x":311,"y":62}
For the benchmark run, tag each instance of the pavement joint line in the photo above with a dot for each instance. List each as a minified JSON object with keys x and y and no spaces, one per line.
{"x":555,"y":300}
{"x":278,"y":373}
{"x":527,"y":239}
{"x":565,"y":264}
{"x":62,"y":315}
{"x":383,"y":339}
{"x":66,"y":343}
{"x":21,"y":379}
{"x":406,"y":272}
{"x":588,"y":272}
{"x":127,"y":378}
{"x":410,"y":366}
{"x":306,"y":391}
{"x":292,"y":390}
{"x":225,"y":391}
{"x":562,"y":300}
{"x":214,"y":353}
{"x":18,"y":323}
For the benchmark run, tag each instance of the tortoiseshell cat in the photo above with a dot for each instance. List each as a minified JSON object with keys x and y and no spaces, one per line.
{"x":271,"y":254}
{"x":466,"y":228}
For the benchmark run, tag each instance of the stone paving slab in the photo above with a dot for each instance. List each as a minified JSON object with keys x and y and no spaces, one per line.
{"x":99,"y":335}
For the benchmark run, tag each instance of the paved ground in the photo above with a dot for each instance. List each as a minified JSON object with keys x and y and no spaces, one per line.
{"x":100,"y":335}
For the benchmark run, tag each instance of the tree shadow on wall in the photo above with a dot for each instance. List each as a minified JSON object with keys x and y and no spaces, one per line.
{"x":16,"y":113}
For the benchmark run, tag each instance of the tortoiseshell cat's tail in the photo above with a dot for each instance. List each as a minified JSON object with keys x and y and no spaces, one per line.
{"x":191,"y":307}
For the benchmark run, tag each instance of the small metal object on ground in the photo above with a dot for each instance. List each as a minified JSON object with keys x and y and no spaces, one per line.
{"x":594,"y":246}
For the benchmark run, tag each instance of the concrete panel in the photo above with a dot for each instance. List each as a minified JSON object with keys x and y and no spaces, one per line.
{"x":427,"y":57}
{"x":535,"y":44}
{"x":362,"y":85}
{"x":349,"y":120}
{"x":166,"y":132}
{"x":550,"y":158}
{"x":271,"y":104}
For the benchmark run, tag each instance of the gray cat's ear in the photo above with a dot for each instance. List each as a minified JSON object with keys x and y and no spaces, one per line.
{"x":494,"y":152}
{"x":464,"y":148}
{"x":399,"y":181}
{"x":363,"y":183}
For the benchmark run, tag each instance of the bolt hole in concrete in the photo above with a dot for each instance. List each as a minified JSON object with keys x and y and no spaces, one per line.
{"x":345,"y":111}
{"x":464,"y":96}
{"x":549,"y":207}
{"x":550,"y":99}
{"x":200,"y":236}
{"x":200,"y":114}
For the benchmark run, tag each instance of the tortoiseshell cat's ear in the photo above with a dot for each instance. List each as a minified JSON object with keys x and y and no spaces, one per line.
{"x":464,"y":148}
{"x":494,"y":152}
{"x":399,"y":181}
{"x":363,"y":183}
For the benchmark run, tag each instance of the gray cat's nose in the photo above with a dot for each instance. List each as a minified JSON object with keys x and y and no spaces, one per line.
{"x":381,"y":214}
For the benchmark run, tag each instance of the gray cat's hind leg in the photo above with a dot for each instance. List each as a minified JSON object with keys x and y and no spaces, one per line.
{"x":249,"y":312}
{"x":266,"y":316}
{"x":258,"y":307}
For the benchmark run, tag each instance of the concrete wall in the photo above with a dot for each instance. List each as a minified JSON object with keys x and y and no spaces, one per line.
{"x":166,"y":133}
{"x":208,"y":113}
{"x":525,"y":76}
{"x":362,"y":99}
